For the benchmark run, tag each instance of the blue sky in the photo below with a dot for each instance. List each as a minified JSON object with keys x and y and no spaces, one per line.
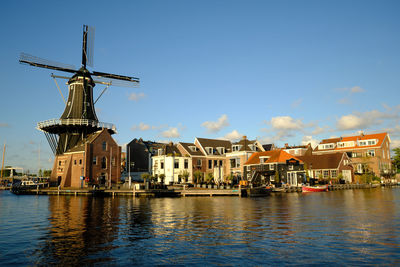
{"x":279,"y":71}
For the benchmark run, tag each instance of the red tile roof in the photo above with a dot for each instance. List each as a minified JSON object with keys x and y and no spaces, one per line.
{"x":275,"y":156}
{"x":379,"y":136}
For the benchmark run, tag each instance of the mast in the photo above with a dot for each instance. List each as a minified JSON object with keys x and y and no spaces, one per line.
{"x":2,"y":164}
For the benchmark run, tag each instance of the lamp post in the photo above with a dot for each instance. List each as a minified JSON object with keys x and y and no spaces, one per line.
{"x":129,"y":167}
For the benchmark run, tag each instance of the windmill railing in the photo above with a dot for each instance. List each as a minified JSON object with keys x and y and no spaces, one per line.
{"x":75,"y":122}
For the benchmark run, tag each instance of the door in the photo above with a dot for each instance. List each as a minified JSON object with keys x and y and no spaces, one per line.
{"x":347,"y":175}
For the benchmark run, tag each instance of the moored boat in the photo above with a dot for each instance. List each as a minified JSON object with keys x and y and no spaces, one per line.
{"x":321,"y":188}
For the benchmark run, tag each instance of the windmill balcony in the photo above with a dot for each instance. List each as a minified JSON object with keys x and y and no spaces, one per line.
{"x":44,"y":125}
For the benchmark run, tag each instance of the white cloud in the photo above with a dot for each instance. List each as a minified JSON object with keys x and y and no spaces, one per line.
{"x":319,"y":130}
{"x":350,"y":122}
{"x":141,"y":127}
{"x":308,"y":139}
{"x":172,"y":132}
{"x":356,"y":89}
{"x":216,"y":126}
{"x":232,"y":136}
{"x":395,"y":143}
{"x":136,"y":97}
{"x":286,"y":123}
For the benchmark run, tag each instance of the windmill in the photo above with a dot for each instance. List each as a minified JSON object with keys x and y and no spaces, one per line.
{"x":79,"y":118}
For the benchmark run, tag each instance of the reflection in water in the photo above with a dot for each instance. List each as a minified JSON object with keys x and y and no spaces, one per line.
{"x":341,"y":227}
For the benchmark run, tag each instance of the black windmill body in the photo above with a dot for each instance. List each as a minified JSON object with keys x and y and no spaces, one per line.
{"x":79,"y":118}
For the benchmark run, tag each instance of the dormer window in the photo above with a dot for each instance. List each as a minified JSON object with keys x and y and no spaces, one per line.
{"x":236,"y":147}
{"x":193,"y":148}
{"x":209,"y":150}
{"x":264,"y":159}
{"x":221,"y":150}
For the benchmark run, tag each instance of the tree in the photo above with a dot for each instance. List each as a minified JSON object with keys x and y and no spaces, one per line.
{"x":396,"y":159}
{"x":277,"y":177}
{"x":162,"y":178}
{"x":145,"y":176}
{"x":209,"y":178}
{"x":40,"y":173}
{"x":198,"y":176}
{"x":185,"y":175}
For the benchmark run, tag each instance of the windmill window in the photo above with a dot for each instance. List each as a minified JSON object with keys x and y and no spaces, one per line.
{"x":103,"y":163}
{"x":104,"y":146}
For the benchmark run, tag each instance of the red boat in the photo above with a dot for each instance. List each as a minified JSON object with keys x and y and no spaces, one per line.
{"x":321,"y":188}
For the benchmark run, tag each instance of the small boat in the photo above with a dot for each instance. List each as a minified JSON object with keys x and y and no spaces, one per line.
{"x":25,"y":186}
{"x":321,"y":188}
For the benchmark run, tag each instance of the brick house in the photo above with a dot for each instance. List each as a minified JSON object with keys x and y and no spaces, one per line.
{"x":197,"y":157}
{"x":329,"y":166}
{"x":95,"y":160}
{"x":368,"y":152}
{"x":239,"y":154}
{"x":215,"y":151}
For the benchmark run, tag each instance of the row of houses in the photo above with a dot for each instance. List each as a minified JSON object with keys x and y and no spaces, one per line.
{"x":221,"y":160}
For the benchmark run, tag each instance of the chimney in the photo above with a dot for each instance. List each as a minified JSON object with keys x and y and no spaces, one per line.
{"x":286,"y":145}
{"x":244,"y":137}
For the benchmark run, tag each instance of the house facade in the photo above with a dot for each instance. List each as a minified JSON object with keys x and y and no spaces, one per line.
{"x":368,"y":152}
{"x":170,"y":162}
{"x":274,"y":167}
{"x":239,"y":154}
{"x":329,"y":166}
{"x":139,"y":155}
{"x":95,"y":160}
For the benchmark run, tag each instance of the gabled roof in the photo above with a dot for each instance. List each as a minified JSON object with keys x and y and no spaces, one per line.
{"x":214,"y":143}
{"x":379,"y":136}
{"x":324,"y":161}
{"x":268,"y":147}
{"x":244,"y":143}
{"x":80,"y":146}
{"x":275,"y":156}
{"x":189,"y":151}
{"x":168,"y":149}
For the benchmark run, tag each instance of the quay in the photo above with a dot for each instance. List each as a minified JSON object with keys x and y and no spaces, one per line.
{"x":187,"y":192}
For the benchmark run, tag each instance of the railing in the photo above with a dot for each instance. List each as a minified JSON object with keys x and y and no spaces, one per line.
{"x":78,"y":122}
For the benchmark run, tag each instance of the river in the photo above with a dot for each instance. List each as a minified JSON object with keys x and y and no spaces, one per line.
{"x":348,"y":227}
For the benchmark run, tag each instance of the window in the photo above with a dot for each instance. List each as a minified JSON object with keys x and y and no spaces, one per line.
{"x":317,"y":174}
{"x":333,"y":173}
{"x":236,"y":147}
{"x":159,"y":151}
{"x":103,"y":163}
{"x":326,"y":173}
{"x":59,"y":163}
{"x":176,"y":163}
{"x":186,"y":164}
{"x":272,"y":166}
{"x":210,"y":164}
{"x":371,"y":153}
{"x":210,"y":150}
{"x":95,"y":160}
{"x":199,"y":162}
{"x":371,"y":142}
{"x":237,"y":163}
{"x":262,"y":160}
{"x":75,"y":162}
{"x":113,"y":161}
{"x":162,"y":164}
{"x":104,"y":146}
{"x":220,"y":163}
{"x":215,"y":163}
{"x":291,"y":167}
